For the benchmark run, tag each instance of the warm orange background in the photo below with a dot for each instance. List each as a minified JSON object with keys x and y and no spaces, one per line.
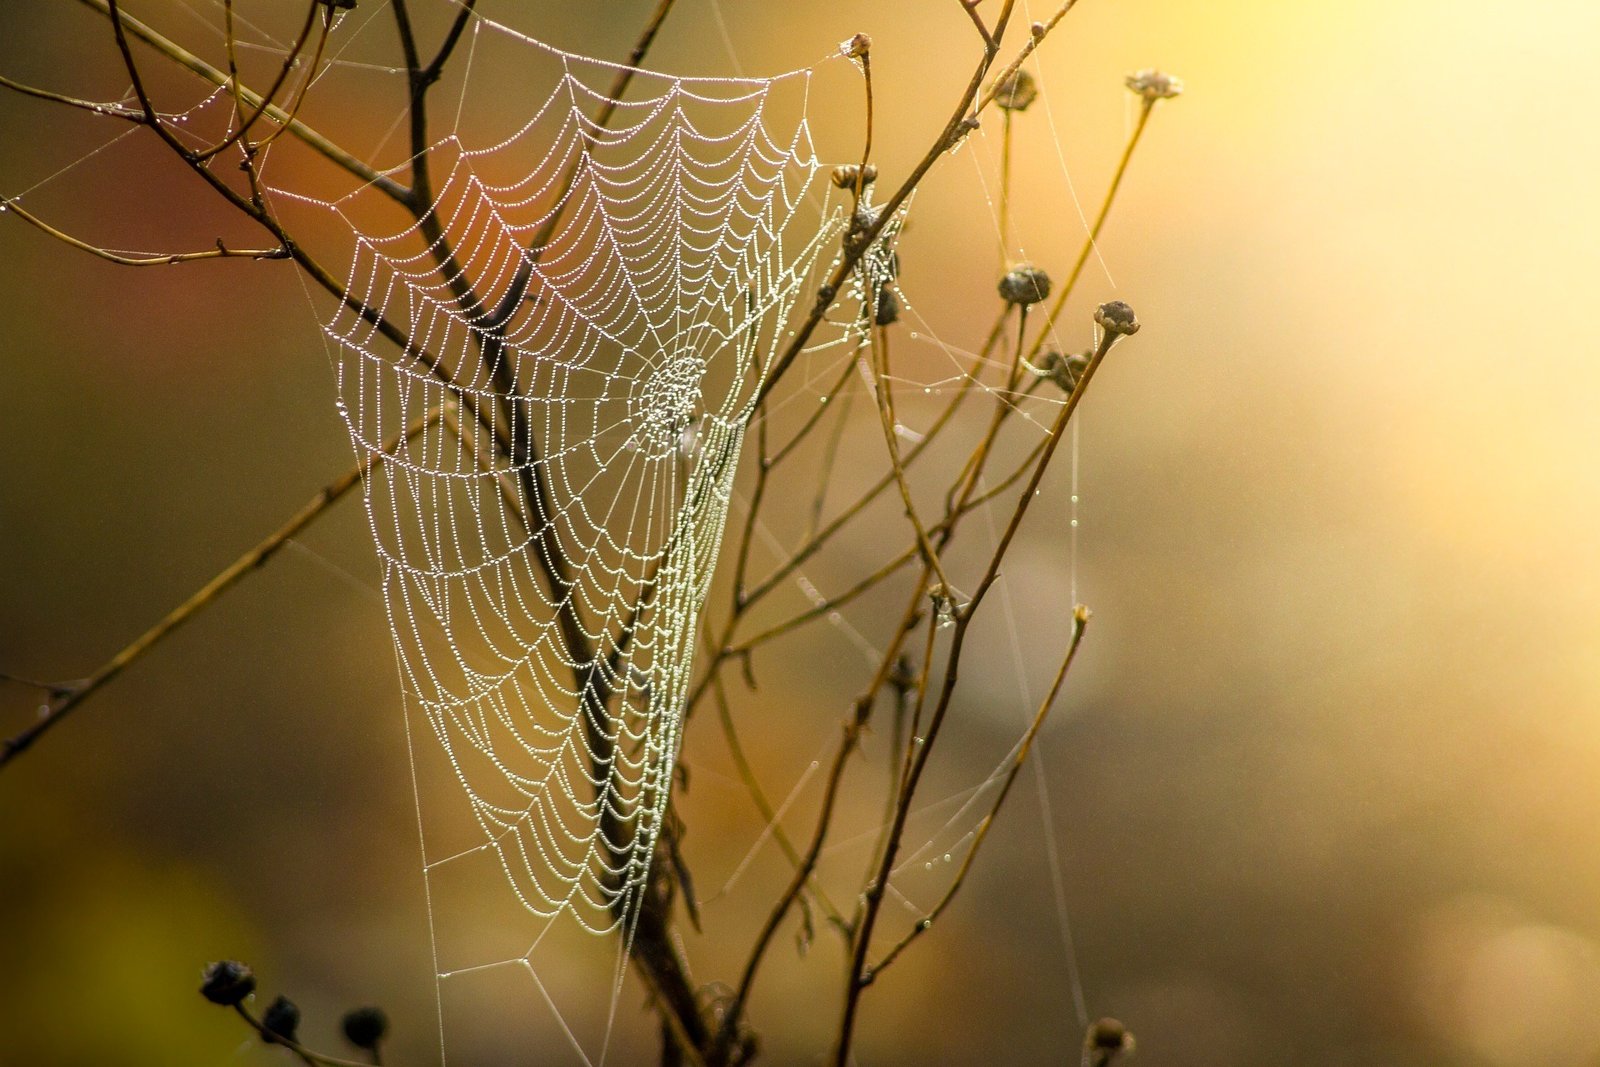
{"x":1325,"y":788}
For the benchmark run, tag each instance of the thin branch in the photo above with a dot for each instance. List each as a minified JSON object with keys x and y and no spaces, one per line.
{"x":971,"y":8}
{"x":1080,"y":620}
{"x":436,"y":68}
{"x":59,"y":708}
{"x":222,"y":251}
{"x":1038,"y":32}
{"x":818,"y":540}
{"x":864,"y":47}
{"x":1005,"y":188}
{"x":1146,"y":107}
{"x":885,"y":404}
{"x":114,"y":110}
{"x":758,"y":795}
{"x":284,"y":69}
{"x":300,"y":1052}
{"x":312,"y":138}
{"x":641,"y":48}
{"x":826,"y":606}
{"x":874,"y":895}
{"x":851,"y":729}
{"x":954,"y":130}
{"x":305,"y":83}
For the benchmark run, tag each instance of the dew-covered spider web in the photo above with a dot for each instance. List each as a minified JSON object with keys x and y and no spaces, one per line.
{"x":591,"y":310}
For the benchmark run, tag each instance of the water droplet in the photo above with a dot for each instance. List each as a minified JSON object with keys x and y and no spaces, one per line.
{"x":1074,"y":524}
{"x":947,"y":857}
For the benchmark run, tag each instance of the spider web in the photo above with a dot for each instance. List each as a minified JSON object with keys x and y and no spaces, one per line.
{"x":591,"y":309}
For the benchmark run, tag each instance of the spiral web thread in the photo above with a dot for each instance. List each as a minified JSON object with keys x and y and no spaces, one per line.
{"x":633,"y":285}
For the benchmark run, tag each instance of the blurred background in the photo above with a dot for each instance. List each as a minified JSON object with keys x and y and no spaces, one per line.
{"x":1322,"y":788}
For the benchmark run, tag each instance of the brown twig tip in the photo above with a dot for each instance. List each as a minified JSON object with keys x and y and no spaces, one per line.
{"x":1154,"y":85}
{"x":1015,"y":91}
{"x":227,"y":982}
{"x":857,"y":46}
{"x":1105,"y":1040}
{"x":1024,"y":285}
{"x":1114,"y":316}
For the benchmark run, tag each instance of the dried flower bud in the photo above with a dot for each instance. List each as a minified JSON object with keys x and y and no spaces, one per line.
{"x":1016,"y":92}
{"x":1108,"y":1034}
{"x":1065,"y":371}
{"x":1154,"y":85}
{"x":227,"y":982}
{"x":280,"y":1021}
{"x":365,"y":1027}
{"x":1116,"y":317}
{"x":1038,"y":30}
{"x":845,"y":177}
{"x":887,"y":311}
{"x":857,"y":46}
{"x":1024,"y":285}
{"x":862,"y":220}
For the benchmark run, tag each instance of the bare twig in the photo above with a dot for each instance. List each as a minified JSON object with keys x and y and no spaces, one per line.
{"x":114,"y":110}
{"x":184,"y":58}
{"x":1080,"y":620}
{"x":874,"y":895}
{"x":64,"y":704}
{"x":1145,"y":108}
{"x":299,"y":1051}
{"x":222,"y":251}
{"x":243,"y":129}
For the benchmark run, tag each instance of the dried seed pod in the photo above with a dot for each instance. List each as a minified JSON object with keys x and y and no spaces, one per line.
{"x":845,"y":177}
{"x":1105,"y":1040}
{"x":227,"y":982}
{"x":1024,"y":285}
{"x":365,"y":1027}
{"x":1064,"y":371}
{"x":1017,"y":91}
{"x":1154,"y":85}
{"x":1073,"y":367}
{"x":887,"y":311}
{"x":280,"y":1021}
{"x":1116,"y":317}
